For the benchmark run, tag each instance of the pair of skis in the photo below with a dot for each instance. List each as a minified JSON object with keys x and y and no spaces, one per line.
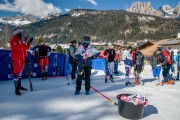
{"x":27,"y":62}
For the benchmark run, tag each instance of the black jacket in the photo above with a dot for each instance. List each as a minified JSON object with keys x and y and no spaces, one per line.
{"x":139,"y":59}
{"x":72,"y":57}
{"x":162,"y":60}
{"x":157,"y":59}
{"x":111,"y":54}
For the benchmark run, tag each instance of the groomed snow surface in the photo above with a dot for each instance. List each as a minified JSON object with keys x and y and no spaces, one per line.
{"x":53,"y":99}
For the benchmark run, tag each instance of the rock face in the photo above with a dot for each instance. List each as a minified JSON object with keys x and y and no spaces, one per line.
{"x":142,"y":7}
{"x":176,"y":11}
{"x":167,"y":9}
{"x":18,"y":19}
{"x":145,"y":8}
{"x":159,"y":12}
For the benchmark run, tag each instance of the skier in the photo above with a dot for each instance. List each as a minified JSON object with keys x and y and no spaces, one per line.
{"x":172,"y":68}
{"x":19,"y":49}
{"x":138,"y":66}
{"x":156,"y":67}
{"x":128,"y":61}
{"x":134,"y":61}
{"x":167,"y":77}
{"x":42,"y":53}
{"x":73,"y":59}
{"x":110,"y":58}
{"x":178,"y":64}
{"x":117,"y":60}
{"x":85,"y":53}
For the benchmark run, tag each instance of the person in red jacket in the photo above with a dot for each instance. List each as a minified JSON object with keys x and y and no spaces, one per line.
{"x":19,"y":49}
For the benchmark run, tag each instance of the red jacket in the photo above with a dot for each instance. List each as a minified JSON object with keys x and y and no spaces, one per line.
{"x":168,"y":56}
{"x":134,"y":57}
{"x":18,"y":49}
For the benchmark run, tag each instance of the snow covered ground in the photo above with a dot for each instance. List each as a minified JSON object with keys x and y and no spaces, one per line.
{"x":53,"y":99}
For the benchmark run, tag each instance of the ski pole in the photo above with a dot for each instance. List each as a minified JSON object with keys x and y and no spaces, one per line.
{"x":110,"y":100}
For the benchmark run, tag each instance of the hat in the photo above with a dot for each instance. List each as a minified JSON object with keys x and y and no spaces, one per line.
{"x":129,"y":47}
{"x":39,"y":40}
{"x":72,"y":42}
{"x":16,"y":31}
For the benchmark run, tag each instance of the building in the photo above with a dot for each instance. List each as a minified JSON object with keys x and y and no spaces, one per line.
{"x":119,"y":47}
{"x":173,"y":45}
{"x":99,"y":45}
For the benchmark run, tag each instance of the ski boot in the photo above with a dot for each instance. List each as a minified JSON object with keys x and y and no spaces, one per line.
{"x":87,"y":92}
{"x":140,"y":81}
{"x":19,"y":85}
{"x":127,"y":83}
{"x":77,"y":92}
{"x":171,"y":82}
{"x":16,"y":88}
{"x":43,"y":76}
{"x":111,"y":78}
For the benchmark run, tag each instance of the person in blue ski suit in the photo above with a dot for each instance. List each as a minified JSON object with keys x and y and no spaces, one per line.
{"x":156,"y":67}
{"x":85,"y":54}
{"x":172,"y":68}
{"x":178,"y":64}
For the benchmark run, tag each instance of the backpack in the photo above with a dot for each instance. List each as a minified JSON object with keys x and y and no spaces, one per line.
{"x":168,"y":56}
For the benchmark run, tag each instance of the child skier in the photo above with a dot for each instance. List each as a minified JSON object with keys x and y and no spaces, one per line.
{"x":178,"y":65}
{"x":138,"y":66}
{"x":110,"y":57}
{"x":156,"y":67}
{"x":42,"y":52}
{"x":128,"y":61}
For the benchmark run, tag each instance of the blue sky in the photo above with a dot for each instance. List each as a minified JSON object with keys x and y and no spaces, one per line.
{"x":42,"y":7}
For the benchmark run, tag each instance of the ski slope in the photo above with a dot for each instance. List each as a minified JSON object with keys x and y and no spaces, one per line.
{"x":53,"y":99}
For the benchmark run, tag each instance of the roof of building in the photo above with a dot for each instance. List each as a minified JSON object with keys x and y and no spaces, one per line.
{"x":98,"y":43}
{"x":140,"y":44}
{"x":170,"y":42}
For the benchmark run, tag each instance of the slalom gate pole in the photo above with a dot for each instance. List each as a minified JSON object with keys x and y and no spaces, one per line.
{"x":110,"y":100}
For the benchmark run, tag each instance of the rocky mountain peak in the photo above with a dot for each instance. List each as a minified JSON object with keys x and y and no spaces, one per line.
{"x":142,"y":7}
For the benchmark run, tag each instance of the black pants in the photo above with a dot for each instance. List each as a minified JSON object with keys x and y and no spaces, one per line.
{"x":138,"y":68}
{"x":178,"y":70}
{"x":74,"y":68}
{"x":87,"y":74}
{"x":166,"y":74}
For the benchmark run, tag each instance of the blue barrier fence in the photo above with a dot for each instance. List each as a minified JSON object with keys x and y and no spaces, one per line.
{"x":59,"y":65}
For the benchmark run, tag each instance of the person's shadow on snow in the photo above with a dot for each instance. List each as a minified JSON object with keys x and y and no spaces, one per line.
{"x":149,"y":110}
{"x":148,"y":80}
